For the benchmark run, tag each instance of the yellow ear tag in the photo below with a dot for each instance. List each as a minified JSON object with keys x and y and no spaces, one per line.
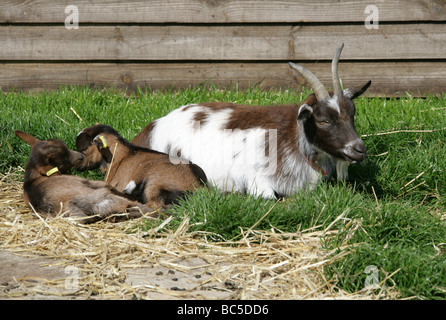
{"x":52,"y":171}
{"x":104,"y":142}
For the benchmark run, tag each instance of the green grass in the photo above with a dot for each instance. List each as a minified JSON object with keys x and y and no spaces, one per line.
{"x":392,"y":207}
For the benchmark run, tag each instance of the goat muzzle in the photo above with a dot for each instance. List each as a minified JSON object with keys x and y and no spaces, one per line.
{"x":354,"y":151}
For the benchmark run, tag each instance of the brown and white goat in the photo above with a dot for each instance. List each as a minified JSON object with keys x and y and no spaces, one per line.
{"x":48,"y":191}
{"x":266,"y":151}
{"x":148,"y":175}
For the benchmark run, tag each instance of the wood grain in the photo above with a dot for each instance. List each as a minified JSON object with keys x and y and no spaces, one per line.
{"x":424,"y":41}
{"x":388,"y":78}
{"x":216,"y":11}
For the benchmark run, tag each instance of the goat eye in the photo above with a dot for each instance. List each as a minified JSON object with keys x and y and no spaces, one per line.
{"x":323,"y":123}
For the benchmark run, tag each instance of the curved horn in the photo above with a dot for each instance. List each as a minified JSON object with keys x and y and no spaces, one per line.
{"x":334,"y":71}
{"x":318,"y":88}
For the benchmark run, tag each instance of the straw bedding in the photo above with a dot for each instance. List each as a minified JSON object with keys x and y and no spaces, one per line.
{"x":120,"y":261}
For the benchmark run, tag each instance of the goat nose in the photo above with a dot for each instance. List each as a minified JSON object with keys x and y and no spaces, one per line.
{"x":359,"y":147}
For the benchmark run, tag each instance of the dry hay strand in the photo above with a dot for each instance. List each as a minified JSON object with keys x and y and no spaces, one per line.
{"x":261,"y":265}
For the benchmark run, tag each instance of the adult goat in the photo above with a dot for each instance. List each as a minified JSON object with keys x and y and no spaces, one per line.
{"x":266,"y":151}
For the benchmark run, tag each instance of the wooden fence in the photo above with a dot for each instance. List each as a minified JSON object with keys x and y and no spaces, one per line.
{"x":399,"y":45}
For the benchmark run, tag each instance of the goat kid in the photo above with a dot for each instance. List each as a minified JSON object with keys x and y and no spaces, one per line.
{"x":266,"y":151}
{"x":148,"y":175}
{"x":48,"y":191}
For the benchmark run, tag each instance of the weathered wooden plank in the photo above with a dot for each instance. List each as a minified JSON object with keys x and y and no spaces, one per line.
{"x":215,"y":11}
{"x":412,"y":41}
{"x":388,"y":78}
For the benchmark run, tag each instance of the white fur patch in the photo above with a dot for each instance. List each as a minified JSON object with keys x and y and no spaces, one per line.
{"x":103,"y":204}
{"x":348,"y":148}
{"x":342,"y":169}
{"x":333,"y":103}
{"x":233,"y":160}
{"x":130,"y":187}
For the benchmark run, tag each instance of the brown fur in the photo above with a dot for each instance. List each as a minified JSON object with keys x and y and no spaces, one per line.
{"x":140,"y":139}
{"x":158,"y":181}
{"x":200,"y":117}
{"x":86,"y":200}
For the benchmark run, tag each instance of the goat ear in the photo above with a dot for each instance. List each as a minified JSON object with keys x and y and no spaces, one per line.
{"x":305,"y":111}
{"x":83,"y":141}
{"x":355,"y":92}
{"x":29,"y":139}
{"x":100,"y":141}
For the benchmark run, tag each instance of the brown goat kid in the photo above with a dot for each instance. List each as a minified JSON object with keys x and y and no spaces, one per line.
{"x":147,"y":175}
{"x":48,"y":191}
